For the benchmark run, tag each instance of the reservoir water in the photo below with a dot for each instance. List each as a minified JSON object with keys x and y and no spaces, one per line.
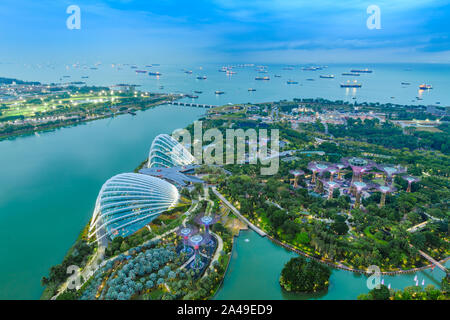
{"x":256,"y":264}
{"x":49,"y":181}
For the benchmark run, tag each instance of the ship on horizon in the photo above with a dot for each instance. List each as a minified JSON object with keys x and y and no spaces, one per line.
{"x":349,"y":84}
{"x":425,"y":87}
{"x":361,"y":71}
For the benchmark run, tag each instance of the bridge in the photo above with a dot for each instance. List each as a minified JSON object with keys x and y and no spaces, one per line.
{"x":238,"y":214}
{"x":188,"y":104}
{"x":436,"y":263}
{"x":417,"y":227}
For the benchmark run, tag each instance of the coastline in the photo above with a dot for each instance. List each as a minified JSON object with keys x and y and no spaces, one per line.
{"x":73,"y":122}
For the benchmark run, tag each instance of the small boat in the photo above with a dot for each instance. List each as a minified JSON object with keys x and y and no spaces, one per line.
{"x":351,"y":74}
{"x":349,"y":84}
{"x":154,"y":73}
{"x":361,"y":70}
{"x":291,"y":82}
{"x":201,"y":77}
{"x":198,"y":92}
{"x":262,"y":78}
{"x":327,"y":76}
{"x":251,"y":89}
{"x":310,"y":79}
{"x":141,"y":71}
{"x":277,"y":76}
{"x":405,"y":83}
{"x":219,"y":92}
{"x":191,"y":96}
{"x":84,"y":77}
{"x":425,"y":87}
{"x":188,"y":72}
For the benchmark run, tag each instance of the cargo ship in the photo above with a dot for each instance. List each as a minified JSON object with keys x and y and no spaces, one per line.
{"x":425,"y":87}
{"x":327,"y":76}
{"x":361,"y":70}
{"x":262,"y":78}
{"x":292,"y":82}
{"x":351,"y":85}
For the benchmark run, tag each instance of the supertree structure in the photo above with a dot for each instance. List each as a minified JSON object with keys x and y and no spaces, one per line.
{"x":385,"y":190}
{"x":359,"y":166}
{"x":296,"y":174}
{"x":196,"y":241}
{"x":410,"y":180}
{"x":332,"y":170}
{"x":331,"y":185}
{"x":359,"y":187}
{"x":318,"y":168}
{"x":206,"y":220}
{"x":340,"y":166}
{"x":390,"y":171}
{"x":185,"y":233}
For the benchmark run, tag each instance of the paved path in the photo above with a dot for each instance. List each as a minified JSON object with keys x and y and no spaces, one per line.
{"x":238,"y":214}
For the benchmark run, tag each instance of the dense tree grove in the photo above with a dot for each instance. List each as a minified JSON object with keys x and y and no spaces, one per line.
{"x":331,"y":228}
{"x":302,"y":275}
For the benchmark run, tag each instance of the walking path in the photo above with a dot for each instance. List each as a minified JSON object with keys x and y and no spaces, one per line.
{"x":238,"y":214}
{"x":329,"y":263}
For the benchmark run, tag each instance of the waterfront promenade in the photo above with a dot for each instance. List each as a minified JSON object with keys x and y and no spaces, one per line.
{"x":329,"y":263}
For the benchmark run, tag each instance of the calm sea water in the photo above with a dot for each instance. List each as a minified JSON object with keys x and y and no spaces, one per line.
{"x":383,"y":85}
{"x":49,"y":181}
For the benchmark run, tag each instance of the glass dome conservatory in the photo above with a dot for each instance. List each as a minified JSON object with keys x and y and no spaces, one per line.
{"x":167,"y":152}
{"x":129,"y":201}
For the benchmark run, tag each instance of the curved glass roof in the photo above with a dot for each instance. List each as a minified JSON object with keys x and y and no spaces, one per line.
{"x":167,"y":152}
{"x":129,"y":201}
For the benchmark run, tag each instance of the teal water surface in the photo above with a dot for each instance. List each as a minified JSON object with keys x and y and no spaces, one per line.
{"x":49,"y":183}
{"x":256,"y":264}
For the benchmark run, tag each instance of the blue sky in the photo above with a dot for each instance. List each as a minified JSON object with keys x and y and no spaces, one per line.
{"x":182,"y":31}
